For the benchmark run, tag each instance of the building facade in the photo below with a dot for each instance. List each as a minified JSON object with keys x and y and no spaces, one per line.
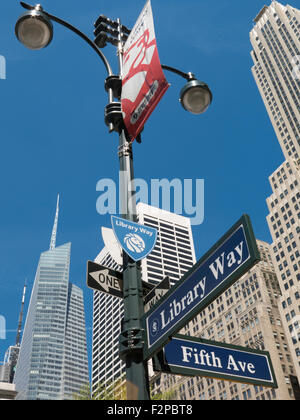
{"x":284,"y":224}
{"x":275,"y":39}
{"x":53,"y":363}
{"x":4,"y":372}
{"x":7,"y":370}
{"x":7,"y":391}
{"x":172,"y":256}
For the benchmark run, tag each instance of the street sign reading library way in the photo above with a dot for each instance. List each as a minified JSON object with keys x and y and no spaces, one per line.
{"x":193,"y":356}
{"x":231,"y":257}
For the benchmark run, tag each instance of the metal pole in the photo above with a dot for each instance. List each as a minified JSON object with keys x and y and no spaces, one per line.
{"x":131,"y":342}
{"x":131,"y":346}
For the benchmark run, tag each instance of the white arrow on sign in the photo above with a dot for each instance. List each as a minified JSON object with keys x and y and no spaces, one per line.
{"x":106,"y":281}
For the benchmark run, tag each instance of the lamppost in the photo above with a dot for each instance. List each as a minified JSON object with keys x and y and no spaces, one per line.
{"x":35,"y":30}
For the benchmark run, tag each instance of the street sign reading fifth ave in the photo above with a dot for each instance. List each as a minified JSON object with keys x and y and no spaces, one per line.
{"x":136,"y":240}
{"x":231,"y":257}
{"x":192,"y":356}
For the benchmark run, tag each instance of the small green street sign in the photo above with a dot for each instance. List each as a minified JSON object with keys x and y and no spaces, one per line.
{"x":156,"y":293}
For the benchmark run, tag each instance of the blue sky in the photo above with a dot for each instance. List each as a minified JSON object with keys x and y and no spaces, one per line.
{"x":53,"y":138}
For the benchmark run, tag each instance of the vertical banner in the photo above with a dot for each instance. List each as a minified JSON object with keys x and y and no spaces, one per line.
{"x":143,"y":81}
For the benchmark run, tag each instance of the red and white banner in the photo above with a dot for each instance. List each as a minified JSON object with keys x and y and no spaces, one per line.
{"x":143,"y":81}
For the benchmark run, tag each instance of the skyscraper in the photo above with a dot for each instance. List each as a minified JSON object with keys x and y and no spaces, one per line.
{"x":172,"y":256}
{"x":53,"y":363}
{"x":275,"y":39}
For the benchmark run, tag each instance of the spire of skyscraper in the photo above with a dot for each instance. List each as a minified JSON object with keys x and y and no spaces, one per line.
{"x":54,"y":230}
{"x":21,"y":315}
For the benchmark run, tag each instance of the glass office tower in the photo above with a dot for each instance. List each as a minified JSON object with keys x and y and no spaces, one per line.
{"x":53,"y":362}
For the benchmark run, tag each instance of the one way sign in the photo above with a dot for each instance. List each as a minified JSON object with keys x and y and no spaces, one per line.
{"x":104,"y":279}
{"x":109,"y":281}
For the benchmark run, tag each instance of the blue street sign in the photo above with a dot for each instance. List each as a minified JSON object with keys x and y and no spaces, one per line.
{"x":192,"y":356}
{"x":234,"y":254}
{"x":136,"y":240}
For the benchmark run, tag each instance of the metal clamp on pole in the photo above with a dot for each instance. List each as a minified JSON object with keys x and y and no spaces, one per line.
{"x":125,"y":150}
{"x":113,"y":116}
{"x":115,"y":83}
{"x":131,"y":340}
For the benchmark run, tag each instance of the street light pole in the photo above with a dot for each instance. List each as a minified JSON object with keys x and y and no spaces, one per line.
{"x":131,"y":339}
{"x":34,"y":29}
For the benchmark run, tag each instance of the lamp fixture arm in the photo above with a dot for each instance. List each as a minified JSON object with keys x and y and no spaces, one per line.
{"x":187,"y":76}
{"x":76,"y":31}
{"x":27,"y":6}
